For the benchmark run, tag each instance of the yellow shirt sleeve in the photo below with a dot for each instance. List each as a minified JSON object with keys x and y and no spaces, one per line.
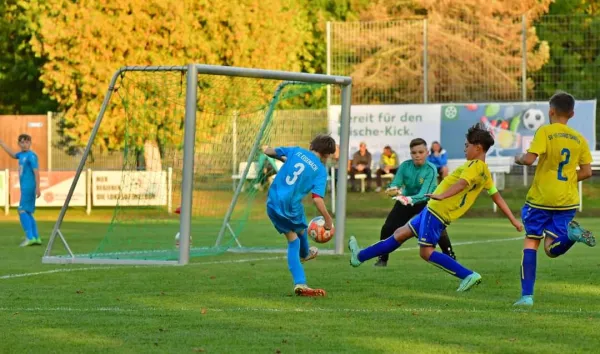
{"x":472,"y":173}
{"x":586,"y":156}
{"x":538,"y":145}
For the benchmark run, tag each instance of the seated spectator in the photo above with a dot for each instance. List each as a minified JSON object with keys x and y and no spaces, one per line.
{"x":388,"y":163}
{"x":360,"y":163}
{"x":439,"y":158}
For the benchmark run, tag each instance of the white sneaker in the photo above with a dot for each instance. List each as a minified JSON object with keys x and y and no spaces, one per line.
{"x":313,"y":252}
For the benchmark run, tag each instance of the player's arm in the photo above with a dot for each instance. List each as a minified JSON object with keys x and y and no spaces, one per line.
{"x":526,"y":159}
{"x":584,"y":172}
{"x":585,"y":162}
{"x":8,"y":150}
{"x":499,"y":201}
{"x":36,"y":172}
{"x":318,"y":192}
{"x":537,"y":148}
{"x":471,"y":175}
{"x":397,"y":182}
{"x":320,"y":204}
{"x":452,"y":191}
{"x":276,"y":153}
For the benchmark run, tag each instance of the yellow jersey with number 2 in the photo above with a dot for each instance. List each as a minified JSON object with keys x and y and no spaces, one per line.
{"x":478,"y":177}
{"x":560,"y":150}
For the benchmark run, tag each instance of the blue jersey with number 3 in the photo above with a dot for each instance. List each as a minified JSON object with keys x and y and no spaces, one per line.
{"x":302,"y":173}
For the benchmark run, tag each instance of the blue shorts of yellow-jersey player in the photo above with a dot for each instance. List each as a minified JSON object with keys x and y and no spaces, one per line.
{"x":284,"y":224}
{"x":27,"y":202}
{"x":541,"y":222}
{"x":427,"y":228}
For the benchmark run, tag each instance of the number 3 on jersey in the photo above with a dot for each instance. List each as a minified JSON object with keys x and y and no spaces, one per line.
{"x":291,"y":180}
{"x":566,"y":155}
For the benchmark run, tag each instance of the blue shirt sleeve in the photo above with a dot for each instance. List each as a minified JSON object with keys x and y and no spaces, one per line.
{"x":33,"y":162}
{"x":284,"y":151}
{"x":443,"y":159}
{"x":320,"y":183}
{"x":18,"y":154}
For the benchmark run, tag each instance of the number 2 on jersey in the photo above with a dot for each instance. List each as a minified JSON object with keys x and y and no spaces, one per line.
{"x":566,"y":155}
{"x":291,"y":180}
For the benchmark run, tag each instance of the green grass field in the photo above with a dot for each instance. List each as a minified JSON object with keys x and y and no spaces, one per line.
{"x":243,"y":303}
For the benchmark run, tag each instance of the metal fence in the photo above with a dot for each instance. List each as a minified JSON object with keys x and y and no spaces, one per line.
{"x":439,"y":60}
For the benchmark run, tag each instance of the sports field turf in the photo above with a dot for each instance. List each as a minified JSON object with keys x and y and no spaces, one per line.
{"x":242,"y":302}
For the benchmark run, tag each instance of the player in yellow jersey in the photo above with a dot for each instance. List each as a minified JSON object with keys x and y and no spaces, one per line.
{"x":553,"y":197}
{"x":451,"y":199}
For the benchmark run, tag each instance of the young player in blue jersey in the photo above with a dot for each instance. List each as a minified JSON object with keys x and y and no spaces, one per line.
{"x":553,"y":197}
{"x":451,"y":199}
{"x":29,"y":180}
{"x":303,"y":172}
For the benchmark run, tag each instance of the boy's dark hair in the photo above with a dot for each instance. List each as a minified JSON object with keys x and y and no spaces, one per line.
{"x":562,"y":102}
{"x":387,"y":147}
{"x":479,"y":135}
{"x":24,"y":137}
{"x":323,"y":144}
{"x":417,"y":142}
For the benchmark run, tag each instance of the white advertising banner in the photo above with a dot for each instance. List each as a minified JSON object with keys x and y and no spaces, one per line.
{"x":3,"y":188}
{"x":129,"y":188}
{"x":54,"y":187}
{"x":393,"y":125}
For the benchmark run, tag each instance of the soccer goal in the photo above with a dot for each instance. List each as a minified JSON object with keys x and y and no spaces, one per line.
{"x":175,"y":166}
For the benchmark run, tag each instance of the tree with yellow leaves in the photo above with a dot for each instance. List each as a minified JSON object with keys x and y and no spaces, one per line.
{"x":474,"y":50}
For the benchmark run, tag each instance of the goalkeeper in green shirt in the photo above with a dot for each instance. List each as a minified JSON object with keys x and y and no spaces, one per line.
{"x":414,"y":179}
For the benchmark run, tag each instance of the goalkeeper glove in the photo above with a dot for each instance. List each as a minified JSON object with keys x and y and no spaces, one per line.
{"x":404,"y":200}
{"x":393,"y":191}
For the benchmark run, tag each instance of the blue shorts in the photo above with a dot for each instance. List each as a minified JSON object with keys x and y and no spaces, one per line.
{"x":540,"y":222}
{"x":427,"y":228}
{"x":284,"y":224}
{"x":27,"y":202}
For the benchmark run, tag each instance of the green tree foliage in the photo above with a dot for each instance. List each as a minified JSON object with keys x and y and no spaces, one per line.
{"x":86,"y":41}
{"x":22,"y":91}
{"x":574,"y":42}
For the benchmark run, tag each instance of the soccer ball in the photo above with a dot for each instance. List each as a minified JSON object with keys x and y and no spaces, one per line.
{"x":533,"y":119}
{"x":317,"y":232}
{"x":177,"y":240}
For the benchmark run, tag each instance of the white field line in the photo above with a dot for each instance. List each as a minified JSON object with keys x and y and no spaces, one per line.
{"x":15,"y":310}
{"x":245,"y":260}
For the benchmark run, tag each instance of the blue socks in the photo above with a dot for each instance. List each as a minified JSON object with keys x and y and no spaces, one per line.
{"x":561,"y":245}
{"x":304,"y":244}
{"x":449,"y":265}
{"x":293,"y":258}
{"x":388,"y":245}
{"x":28,"y":224}
{"x":528,"y":265}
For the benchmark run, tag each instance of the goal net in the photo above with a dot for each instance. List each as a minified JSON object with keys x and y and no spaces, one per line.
{"x":175,"y":166}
